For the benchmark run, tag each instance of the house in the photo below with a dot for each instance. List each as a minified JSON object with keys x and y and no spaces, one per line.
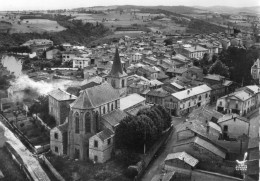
{"x":131,"y":101}
{"x":196,"y":52}
{"x":80,"y":62}
{"x":180,"y":160}
{"x":196,"y":127}
{"x":101,"y":146}
{"x":233,"y":126}
{"x":136,"y":57}
{"x":173,"y":72}
{"x":59,"y":101}
{"x":201,"y":149}
{"x":68,"y":56}
{"x":240,"y":102}
{"x":157,"y":96}
{"x":59,"y":139}
{"x":255,"y":70}
{"x":147,"y":72}
{"x":38,"y":45}
{"x":185,"y":101}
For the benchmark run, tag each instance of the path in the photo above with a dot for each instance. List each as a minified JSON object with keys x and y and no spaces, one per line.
{"x":155,"y":166}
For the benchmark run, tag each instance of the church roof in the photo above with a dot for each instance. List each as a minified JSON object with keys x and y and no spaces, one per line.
{"x":117,"y":70}
{"x":95,"y":96}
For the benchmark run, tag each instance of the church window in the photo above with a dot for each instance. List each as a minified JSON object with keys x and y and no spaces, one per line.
{"x":87,"y":123}
{"x":112,"y":107}
{"x":104,"y":110}
{"x":123,"y":83}
{"x":113,"y":83}
{"x":77,"y":123}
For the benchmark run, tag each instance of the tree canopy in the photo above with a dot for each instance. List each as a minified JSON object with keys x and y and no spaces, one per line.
{"x":145,"y":128}
{"x":219,"y":68}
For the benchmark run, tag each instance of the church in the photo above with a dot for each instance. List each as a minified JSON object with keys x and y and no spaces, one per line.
{"x":89,"y":129}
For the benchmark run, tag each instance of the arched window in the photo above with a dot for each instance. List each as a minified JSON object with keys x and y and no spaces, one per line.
{"x":112,"y":107}
{"x":87,"y":123}
{"x":76,"y":122}
{"x":104,"y":110}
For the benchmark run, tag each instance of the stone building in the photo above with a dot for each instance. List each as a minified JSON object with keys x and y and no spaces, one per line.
{"x":85,"y":117}
{"x":255,"y":70}
{"x":117,"y":77}
{"x":59,"y":101}
{"x":59,"y":139}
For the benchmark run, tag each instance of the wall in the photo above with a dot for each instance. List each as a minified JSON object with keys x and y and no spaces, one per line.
{"x":56,"y":142}
{"x":235,"y":128}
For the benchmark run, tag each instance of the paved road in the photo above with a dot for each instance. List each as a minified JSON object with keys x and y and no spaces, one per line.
{"x":155,"y":166}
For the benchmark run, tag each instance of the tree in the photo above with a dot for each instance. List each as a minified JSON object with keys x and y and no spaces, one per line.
{"x":168,"y":41}
{"x":219,"y":68}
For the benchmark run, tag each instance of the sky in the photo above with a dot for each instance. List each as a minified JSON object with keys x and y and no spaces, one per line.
{"x":6,"y":5}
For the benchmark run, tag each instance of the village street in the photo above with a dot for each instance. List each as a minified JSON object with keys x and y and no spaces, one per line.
{"x":156,"y":164}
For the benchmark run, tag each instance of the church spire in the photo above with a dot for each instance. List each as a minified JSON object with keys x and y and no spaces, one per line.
{"x":117,"y":69}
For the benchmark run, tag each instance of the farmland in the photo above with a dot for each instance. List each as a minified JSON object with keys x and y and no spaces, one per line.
{"x":30,"y":25}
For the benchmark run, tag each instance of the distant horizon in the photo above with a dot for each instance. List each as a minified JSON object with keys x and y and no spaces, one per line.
{"x":21,"y":5}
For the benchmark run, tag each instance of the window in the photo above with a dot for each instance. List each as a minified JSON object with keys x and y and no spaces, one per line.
{"x":123,"y":83}
{"x":104,"y":110}
{"x":116,"y":104}
{"x":108,"y":107}
{"x":220,"y":103}
{"x":56,"y":149}
{"x":236,"y":105}
{"x":199,"y":98}
{"x":226,"y":128}
{"x":112,"y":107}
{"x":206,"y":95}
{"x":113,"y":83}
{"x":189,"y":104}
{"x":76,"y":154}
{"x":77,"y":123}
{"x":87,"y":123}
{"x":95,"y":143}
{"x":95,"y":158}
{"x":56,"y":136}
{"x":109,"y":141}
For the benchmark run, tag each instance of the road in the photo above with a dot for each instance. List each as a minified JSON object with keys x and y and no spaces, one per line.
{"x":155,"y":166}
{"x":254,"y":124}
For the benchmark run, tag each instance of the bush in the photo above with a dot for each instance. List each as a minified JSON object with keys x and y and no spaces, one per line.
{"x":131,"y":172}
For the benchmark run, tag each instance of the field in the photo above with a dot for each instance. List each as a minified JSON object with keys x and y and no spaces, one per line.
{"x":31,"y":25}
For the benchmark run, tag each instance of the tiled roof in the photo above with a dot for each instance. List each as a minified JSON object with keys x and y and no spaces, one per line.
{"x":183,"y":156}
{"x":114,"y":117}
{"x":105,"y":134}
{"x":158,"y":93}
{"x":96,"y":96}
{"x":61,"y":95}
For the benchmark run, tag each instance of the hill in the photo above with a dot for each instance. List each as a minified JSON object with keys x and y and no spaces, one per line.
{"x":231,"y":10}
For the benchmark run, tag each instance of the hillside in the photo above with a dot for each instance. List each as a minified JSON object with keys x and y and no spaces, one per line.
{"x":231,"y":10}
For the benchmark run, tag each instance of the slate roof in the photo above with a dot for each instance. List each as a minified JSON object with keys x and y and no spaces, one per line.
{"x":117,"y":70}
{"x":184,"y":157}
{"x":96,"y":96}
{"x":130,"y":100}
{"x":191,"y":92}
{"x":105,"y":134}
{"x":63,"y":127}
{"x":114,"y":117}
{"x":61,"y":95}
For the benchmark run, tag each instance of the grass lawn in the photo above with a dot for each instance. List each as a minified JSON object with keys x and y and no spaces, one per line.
{"x":9,"y":168}
{"x":109,"y":171}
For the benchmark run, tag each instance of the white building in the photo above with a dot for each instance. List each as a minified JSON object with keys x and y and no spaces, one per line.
{"x":80,"y":62}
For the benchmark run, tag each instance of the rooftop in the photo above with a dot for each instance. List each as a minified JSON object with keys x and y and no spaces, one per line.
{"x":61,"y":95}
{"x":114,"y":117}
{"x":184,"y":157}
{"x":191,"y":92}
{"x":130,"y":100}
